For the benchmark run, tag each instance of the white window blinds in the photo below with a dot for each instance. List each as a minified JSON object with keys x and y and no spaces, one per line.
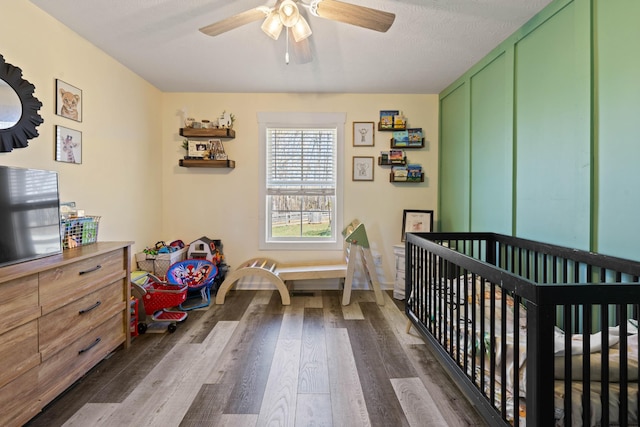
{"x":301,"y":161}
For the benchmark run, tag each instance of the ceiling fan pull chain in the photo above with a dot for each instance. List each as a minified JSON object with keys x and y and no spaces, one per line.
{"x":286,"y":55}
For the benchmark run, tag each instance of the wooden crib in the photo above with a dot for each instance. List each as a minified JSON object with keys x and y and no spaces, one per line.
{"x":513,"y":321}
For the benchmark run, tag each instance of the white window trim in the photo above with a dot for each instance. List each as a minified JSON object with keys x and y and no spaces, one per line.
{"x":297,"y":119}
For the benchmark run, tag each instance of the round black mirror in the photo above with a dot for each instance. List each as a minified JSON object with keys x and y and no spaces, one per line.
{"x":19,"y":108}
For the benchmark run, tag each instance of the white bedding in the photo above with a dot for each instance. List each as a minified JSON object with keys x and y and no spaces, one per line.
{"x":595,"y":358}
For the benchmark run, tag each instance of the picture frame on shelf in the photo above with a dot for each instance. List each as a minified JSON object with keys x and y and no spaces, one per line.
{"x":362,"y":168}
{"x":68,"y":145}
{"x":68,"y":101}
{"x":416,"y":221}
{"x":363,"y":134}
{"x":198,"y":149}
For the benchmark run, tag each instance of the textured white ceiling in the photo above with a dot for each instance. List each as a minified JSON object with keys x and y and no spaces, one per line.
{"x":430,"y":44}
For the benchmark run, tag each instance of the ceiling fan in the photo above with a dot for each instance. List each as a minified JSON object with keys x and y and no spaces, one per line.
{"x":286,"y":14}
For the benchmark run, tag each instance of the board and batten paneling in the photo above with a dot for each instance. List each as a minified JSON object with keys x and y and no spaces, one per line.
{"x":491,"y":146}
{"x":552,"y":121}
{"x":454,"y":161}
{"x":617,"y":75}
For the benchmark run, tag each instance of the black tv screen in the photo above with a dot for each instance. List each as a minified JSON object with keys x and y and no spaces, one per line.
{"x":29,"y":214}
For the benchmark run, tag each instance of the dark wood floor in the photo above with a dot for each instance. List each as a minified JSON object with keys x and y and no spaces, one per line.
{"x":254,"y":362}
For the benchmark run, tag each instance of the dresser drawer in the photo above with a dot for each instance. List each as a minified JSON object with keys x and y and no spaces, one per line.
{"x":18,"y":351}
{"x":19,"y":302}
{"x":65,"y":284}
{"x":61,"y":327}
{"x":20,"y":400}
{"x":62,"y":369}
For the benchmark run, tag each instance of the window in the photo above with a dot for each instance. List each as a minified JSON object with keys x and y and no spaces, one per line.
{"x":302,"y":180}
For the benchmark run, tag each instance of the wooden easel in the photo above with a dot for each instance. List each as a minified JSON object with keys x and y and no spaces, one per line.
{"x":356,"y":239}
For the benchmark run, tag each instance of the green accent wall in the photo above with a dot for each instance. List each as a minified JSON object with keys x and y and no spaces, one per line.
{"x":617,"y":184}
{"x":453,"y":192}
{"x":552,"y":139}
{"x":541,"y":138}
{"x":491,"y":148}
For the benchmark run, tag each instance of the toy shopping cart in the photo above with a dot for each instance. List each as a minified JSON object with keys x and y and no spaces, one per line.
{"x":156,"y":299}
{"x":198,"y":275}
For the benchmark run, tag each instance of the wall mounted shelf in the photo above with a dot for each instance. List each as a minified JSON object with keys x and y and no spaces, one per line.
{"x":392,"y":129}
{"x":207,"y":133}
{"x":389,"y":163}
{"x":200,"y":163}
{"x":408,"y":145}
{"x":410,"y":181}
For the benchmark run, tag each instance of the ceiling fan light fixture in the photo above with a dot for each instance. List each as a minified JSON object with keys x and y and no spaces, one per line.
{"x":272,"y":26}
{"x":301,"y":30}
{"x":289,"y":13}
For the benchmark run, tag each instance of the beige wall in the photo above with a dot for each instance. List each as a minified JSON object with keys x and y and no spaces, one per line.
{"x":120,"y":176}
{"x":130,"y":174}
{"x":224,"y":203}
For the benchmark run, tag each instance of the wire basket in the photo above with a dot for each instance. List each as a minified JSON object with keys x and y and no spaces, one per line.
{"x":80,"y":231}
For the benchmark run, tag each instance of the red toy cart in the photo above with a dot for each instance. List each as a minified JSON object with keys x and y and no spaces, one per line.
{"x":156,"y":298}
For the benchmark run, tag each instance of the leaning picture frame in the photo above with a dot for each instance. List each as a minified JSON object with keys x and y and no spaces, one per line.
{"x":68,"y":101}
{"x":68,"y":145}
{"x":362,"y":168}
{"x":416,"y":221}
{"x":198,"y":149}
{"x":363,"y":134}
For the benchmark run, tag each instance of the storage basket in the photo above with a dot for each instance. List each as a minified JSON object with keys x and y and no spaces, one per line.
{"x":80,"y":231}
{"x":160,"y":263}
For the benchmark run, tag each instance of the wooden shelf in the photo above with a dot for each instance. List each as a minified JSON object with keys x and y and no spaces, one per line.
{"x":407,"y":145}
{"x":207,"y":133}
{"x":388,"y":163}
{"x":198,"y":163}
{"x":393,"y":129}
{"x":391,"y":179}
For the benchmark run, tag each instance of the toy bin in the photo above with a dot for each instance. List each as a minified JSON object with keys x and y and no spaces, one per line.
{"x":160,"y":263}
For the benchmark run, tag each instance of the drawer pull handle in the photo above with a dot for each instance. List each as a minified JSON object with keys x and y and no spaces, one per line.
{"x":90,"y":346}
{"x":86,"y":310}
{"x":97,"y":267}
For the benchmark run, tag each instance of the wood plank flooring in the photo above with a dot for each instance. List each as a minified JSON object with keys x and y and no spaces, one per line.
{"x":253,"y":362}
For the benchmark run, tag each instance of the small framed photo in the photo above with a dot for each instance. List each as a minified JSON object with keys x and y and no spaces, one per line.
{"x":416,"y":221}
{"x":363,"y":134}
{"x":362,"y":168}
{"x":68,"y":145}
{"x":198,"y":149}
{"x":68,"y":101}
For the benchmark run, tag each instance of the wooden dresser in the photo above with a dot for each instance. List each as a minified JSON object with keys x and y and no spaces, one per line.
{"x":61,"y":316}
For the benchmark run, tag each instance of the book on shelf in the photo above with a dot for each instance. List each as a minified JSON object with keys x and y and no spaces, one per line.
{"x":396,"y":156}
{"x":400,"y":137}
{"x":399,"y":173}
{"x":414,"y":172}
{"x":399,"y":122}
{"x":386,"y":118}
{"x":384,"y":157}
{"x":414,"y":136}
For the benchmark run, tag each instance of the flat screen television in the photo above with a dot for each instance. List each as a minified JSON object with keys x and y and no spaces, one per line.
{"x":29,"y":214}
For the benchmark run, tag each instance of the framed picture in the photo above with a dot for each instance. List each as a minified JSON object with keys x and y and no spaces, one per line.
{"x":68,"y":101}
{"x":363,"y":168}
{"x":416,"y":221}
{"x":363,"y":135}
{"x":198,"y":149}
{"x":68,"y":145}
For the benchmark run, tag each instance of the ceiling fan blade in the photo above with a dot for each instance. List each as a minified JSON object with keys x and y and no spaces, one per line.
{"x":234,"y":22}
{"x":360,"y":16}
